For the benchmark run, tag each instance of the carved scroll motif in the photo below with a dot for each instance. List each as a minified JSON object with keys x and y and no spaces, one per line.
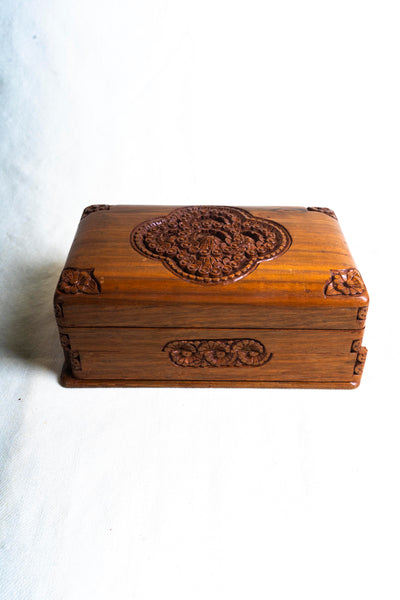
{"x":217,"y":353}
{"x":360,"y":361}
{"x":326,"y":211}
{"x":210,"y":244}
{"x":78,"y":281}
{"x":347,"y":282}
{"x":94,"y":208}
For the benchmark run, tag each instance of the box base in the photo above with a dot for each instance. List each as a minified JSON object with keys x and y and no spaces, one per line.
{"x":68,"y":380}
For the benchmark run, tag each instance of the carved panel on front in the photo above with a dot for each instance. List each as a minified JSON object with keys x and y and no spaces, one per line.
{"x":217,"y":353}
{"x":210,"y":244}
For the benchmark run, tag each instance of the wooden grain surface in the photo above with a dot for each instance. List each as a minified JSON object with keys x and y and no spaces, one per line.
{"x":118,"y":309}
{"x":162,"y":314}
{"x":136,"y":290}
{"x":69,"y":381}
{"x":282,"y":367}
{"x":297,"y":355}
{"x":137,"y":340}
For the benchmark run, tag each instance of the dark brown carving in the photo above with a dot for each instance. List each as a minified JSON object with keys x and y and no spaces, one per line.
{"x":75,"y":360}
{"x":217,"y":353}
{"x":356,"y":346}
{"x":210,"y":244}
{"x":326,"y":211}
{"x":94,"y":208}
{"x":78,"y":281}
{"x":58,"y":311}
{"x":347,"y":282}
{"x":360,"y":361}
{"x":362,"y":313}
{"x":65,"y":341}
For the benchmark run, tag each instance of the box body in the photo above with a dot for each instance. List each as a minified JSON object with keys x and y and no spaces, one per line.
{"x":211,"y":296}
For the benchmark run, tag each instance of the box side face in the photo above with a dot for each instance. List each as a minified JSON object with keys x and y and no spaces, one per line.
{"x":146,"y":266}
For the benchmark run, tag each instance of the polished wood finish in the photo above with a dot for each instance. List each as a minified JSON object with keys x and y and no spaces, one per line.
{"x":285,"y":306}
{"x":211,"y":245}
{"x":68,"y":380}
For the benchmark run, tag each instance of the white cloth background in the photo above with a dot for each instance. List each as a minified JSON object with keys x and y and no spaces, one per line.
{"x":142,"y":494}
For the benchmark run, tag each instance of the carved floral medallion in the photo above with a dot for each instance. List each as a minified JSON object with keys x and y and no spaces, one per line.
{"x":78,"y":281}
{"x":217,"y":353}
{"x":347,"y":282}
{"x":210,"y":244}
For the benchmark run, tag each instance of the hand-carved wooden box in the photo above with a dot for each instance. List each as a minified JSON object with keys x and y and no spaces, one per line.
{"x":211,"y":296}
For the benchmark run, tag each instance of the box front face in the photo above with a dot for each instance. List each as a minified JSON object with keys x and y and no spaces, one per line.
{"x":217,"y":354}
{"x":211,"y":293}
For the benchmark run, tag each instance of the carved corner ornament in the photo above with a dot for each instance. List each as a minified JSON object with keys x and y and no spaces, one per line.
{"x":326,"y":211}
{"x":78,"y":281}
{"x":345,"y":282}
{"x":58,"y":311}
{"x":210,"y":244}
{"x":356,"y":346}
{"x":75,"y":360}
{"x":362,"y":313}
{"x":360,"y":361}
{"x":94,"y":208}
{"x":65,"y":341}
{"x":217,"y":353}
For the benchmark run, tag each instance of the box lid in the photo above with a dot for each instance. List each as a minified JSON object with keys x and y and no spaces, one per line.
{"x":210,"y":266}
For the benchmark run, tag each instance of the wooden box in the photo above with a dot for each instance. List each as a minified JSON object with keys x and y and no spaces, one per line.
{"x":211,"y":296}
